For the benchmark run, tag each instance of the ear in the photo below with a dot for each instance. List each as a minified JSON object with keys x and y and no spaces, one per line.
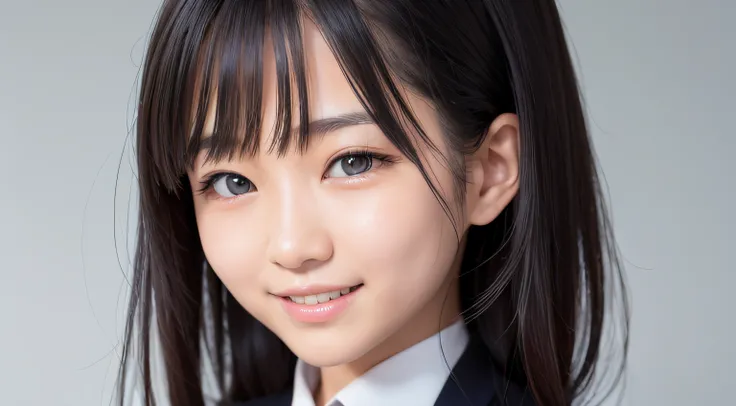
{"x":494,"y":171}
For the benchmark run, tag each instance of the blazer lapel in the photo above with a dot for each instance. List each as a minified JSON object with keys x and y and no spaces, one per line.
{"x":281,"y":399}
{"x":473,"y":379}
{"x":477,"y":383}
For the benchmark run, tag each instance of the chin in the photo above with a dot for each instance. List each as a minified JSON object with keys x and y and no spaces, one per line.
{"x":326,"y":352}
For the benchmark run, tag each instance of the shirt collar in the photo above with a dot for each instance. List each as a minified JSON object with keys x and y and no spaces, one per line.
{"x":413,"y":376}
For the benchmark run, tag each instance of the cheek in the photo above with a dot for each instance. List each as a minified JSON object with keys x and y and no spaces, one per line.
{"x":401,"y":238}
{"x":231,"y":244}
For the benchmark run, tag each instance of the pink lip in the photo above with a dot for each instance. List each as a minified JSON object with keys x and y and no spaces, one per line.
{"x":319,"y":313}
{"x":311,"y":290}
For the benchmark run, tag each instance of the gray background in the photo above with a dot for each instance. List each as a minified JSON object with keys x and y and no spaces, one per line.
{"x":658,"y":79}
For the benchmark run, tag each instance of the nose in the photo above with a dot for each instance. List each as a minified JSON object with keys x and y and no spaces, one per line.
{"x":299,"y":235}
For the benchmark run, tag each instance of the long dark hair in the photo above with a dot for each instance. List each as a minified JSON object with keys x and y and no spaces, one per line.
{"x":536,"y":284}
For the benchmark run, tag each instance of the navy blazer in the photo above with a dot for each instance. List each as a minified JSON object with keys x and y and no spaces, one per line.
{"x":476,"y":383}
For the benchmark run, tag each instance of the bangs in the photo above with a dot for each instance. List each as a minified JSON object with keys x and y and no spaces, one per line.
{"x":227,"y":80}
{"x":209,"y":57}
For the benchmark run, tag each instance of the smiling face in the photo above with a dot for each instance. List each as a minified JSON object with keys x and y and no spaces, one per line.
{"x":349,"y":223}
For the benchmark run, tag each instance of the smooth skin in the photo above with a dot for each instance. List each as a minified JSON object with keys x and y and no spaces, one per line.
{"x":304,"y":221}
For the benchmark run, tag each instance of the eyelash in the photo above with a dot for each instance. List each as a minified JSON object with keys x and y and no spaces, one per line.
{"x":363,"y":153}
{"x":208,"y":183}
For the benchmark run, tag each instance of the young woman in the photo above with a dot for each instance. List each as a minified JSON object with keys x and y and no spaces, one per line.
{"x":367,"y":202}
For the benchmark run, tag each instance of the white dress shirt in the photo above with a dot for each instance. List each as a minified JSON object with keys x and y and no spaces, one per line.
{"x":414,"y":376}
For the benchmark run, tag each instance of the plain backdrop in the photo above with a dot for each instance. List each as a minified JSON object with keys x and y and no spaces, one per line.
{"x":658,"y":80}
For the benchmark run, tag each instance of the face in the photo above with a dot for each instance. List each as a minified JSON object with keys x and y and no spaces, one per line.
{"x":343,"y":250}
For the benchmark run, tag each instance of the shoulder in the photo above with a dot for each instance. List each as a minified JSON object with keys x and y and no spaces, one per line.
{"x":476,"y":381}
{"x":510,"y":394}
{"x":280,"y":399}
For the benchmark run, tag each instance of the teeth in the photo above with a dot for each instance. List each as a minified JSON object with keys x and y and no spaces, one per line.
{"x":322,"y":297}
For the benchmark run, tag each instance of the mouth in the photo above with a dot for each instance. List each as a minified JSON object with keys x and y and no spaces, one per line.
{"x":323,"y":297}
{"x":315,"y":304}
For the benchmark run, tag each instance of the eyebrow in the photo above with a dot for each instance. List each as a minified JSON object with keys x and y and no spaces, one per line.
{"x":320,"y":127}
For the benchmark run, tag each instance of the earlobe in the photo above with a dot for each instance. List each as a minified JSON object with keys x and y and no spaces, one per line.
{"x":494,"y":171}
